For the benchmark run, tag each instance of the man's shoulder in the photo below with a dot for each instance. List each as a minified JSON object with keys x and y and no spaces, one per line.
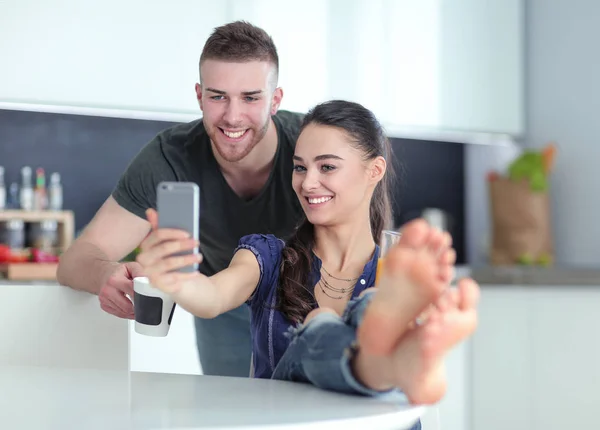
{"x":289,"y":124}
{"x":180,"y":134}
{"x":290,"y":121}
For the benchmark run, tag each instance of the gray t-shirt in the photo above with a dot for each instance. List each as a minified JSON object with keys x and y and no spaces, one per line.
{"x":183,"y":153}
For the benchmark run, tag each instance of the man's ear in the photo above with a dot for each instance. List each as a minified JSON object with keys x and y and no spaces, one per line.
{"x":198,"y":88}
{"x":276,"y":100}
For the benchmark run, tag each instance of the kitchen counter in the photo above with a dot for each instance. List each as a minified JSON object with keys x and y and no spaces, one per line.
{"x":485,"y":275}
{"x":536,"y":276}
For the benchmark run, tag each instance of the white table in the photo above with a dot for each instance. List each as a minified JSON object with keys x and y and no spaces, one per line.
{"x":55,"y":398}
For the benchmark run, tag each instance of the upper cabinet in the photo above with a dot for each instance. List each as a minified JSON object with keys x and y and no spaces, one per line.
{"x":454,"y":65}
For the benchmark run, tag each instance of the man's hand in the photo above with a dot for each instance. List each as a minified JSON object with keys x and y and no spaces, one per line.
{"x":119,"y":285}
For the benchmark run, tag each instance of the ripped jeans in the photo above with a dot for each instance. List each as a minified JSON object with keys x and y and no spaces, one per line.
{"x":320,"y":353}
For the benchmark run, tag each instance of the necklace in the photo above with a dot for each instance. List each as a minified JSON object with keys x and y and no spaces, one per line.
{"x":340,"y":292}
{"x":325,"y":286}
{"x":339,"y":279}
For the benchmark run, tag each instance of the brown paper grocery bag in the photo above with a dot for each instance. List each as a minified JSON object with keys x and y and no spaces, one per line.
{"x":521,"y":224}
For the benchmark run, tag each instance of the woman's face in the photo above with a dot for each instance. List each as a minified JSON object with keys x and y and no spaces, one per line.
{"x":331,"y":178}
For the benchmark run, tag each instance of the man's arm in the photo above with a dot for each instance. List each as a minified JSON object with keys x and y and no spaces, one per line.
{"x":92,"y":262}
{"x":112,"y":234}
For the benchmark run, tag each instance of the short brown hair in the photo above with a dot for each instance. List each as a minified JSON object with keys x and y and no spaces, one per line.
{"x":240,"y":41}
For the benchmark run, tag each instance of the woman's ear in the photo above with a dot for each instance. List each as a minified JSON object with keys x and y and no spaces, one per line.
{"x":377,"y":169}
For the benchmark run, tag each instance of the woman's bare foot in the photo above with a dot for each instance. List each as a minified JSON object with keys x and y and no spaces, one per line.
{"x":415,"y":272}
{"x":417,"y":365}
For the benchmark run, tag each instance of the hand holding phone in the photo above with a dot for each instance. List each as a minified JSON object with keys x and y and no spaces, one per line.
{"x":178,"y":206}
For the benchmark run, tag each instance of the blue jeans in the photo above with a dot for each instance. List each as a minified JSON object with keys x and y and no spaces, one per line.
{"x":320,"y":353}
{"x":224,"y":343}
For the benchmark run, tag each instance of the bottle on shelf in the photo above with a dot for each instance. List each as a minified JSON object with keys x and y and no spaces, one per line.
{"x":3,"y":199}
{"x":13,"y":196}
{"x":55,"y":192}
{"x":40,"y":195}
{"x":26,"y":197}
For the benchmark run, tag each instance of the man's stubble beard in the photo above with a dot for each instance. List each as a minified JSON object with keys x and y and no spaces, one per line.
{"x":227,"y":156}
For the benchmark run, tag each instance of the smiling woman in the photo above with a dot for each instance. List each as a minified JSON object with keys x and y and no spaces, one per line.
{"x":342,"y":177}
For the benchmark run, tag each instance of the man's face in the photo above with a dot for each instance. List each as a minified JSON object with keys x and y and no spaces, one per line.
{"x":237,"y":101}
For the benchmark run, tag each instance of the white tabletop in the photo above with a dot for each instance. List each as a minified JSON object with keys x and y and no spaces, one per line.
{"x":45,"y":398}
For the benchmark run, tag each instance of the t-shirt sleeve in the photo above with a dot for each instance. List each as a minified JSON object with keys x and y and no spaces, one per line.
{"x":136,"y":188}
{"x":267,"y":250}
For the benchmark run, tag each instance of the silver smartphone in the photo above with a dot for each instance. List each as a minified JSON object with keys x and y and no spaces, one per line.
{"x":178,"y":206}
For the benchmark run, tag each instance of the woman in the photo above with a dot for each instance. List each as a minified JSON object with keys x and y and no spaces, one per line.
{"x":314,"y":317}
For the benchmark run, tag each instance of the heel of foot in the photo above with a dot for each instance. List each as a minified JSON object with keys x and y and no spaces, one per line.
{"x":428,"y":391}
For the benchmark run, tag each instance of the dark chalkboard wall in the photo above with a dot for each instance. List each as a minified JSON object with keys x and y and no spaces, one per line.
{"x":91,"y":153}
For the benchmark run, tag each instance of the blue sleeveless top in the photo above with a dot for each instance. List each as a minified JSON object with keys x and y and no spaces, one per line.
{"x":268,"y":326}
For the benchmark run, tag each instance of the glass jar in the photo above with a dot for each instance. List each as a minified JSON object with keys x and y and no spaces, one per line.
{"x":12,"y":233}
{"x":43,"y":235}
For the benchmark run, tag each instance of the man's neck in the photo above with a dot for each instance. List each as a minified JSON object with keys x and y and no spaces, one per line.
{"x":248,"y":176}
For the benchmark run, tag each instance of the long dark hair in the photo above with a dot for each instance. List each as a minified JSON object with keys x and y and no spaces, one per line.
{"x":296,"y":296}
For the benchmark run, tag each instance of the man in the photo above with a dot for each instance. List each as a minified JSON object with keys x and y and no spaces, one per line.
{"x":239,"y":153}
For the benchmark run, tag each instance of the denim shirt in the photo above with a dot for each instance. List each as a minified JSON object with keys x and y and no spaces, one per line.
{"x":269,"y":326}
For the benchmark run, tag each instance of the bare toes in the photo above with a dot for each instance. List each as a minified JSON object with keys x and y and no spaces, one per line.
{"x":437,"y":240}
{"x":445,"y":301}
{"x":446,"y":274}
{"x":448,"y":256}
{"x":468,"y":294}
{"x":455,"y":297}
{"x":414,"y":233}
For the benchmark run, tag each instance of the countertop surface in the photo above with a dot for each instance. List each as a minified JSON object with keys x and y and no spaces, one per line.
{"x":536,"y":276}
{"x":4,"y":281}
{"x":59,"y":398}
{"x":484,"y":275}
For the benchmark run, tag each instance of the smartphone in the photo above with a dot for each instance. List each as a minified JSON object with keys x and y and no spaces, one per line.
{"x":178,"y":206}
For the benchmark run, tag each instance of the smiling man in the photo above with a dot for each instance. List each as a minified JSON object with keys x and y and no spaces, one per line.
{"x":239,"y":153}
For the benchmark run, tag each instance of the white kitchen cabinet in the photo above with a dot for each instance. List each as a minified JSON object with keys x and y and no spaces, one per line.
{"x":174,"y":353}
{"x":500,"y":359}
{"x":128,"y":57}
{"x":423,"y":67}
{"x":48,"y":325}
{"x":566,"y":365}
{"x":535,"y":358}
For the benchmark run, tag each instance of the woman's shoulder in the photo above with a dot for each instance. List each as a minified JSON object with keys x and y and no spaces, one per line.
{"x":266,"y":247}
{"x":258,"y":239}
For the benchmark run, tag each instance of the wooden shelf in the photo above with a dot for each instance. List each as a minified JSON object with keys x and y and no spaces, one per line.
{"x":65,"y":220}
{"x":34,"y":216}
{"x":29,"y":271}
{"x":39,"y":271}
